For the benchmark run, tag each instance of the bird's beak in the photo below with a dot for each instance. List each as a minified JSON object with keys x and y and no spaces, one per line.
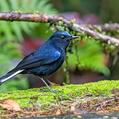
{"x":74,"y":37}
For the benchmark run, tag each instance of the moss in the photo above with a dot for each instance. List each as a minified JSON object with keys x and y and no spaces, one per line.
{"x":67,"y":92}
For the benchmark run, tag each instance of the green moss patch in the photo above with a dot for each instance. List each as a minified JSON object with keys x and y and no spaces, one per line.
{"x":66,"y":92}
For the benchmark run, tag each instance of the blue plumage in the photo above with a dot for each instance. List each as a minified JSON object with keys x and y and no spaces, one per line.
{"x":46,"y":59}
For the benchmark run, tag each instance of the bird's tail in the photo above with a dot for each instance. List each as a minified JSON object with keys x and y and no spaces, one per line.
{"x":9,"y":75}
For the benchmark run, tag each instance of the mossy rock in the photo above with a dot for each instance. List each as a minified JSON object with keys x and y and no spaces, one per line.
{"x":44,"y":100}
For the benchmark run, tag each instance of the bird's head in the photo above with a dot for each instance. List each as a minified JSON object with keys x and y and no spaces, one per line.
{"x":62,"y":38}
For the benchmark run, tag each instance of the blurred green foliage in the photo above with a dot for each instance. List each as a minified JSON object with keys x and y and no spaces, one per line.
{"x":19,"y":84}
{"x":15,"y":30}
{"x":105,"y":10}
{"x":87,"y":55}
{"x":12,"y":33}
{"x":81,"y":6}
{"x":8,"y":51}
{"x":109,"y":10}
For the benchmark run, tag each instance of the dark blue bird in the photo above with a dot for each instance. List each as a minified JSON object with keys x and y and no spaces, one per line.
{"x":44,"y":60}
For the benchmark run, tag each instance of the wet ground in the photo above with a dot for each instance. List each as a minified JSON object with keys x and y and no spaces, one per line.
{"x":87,"y":116}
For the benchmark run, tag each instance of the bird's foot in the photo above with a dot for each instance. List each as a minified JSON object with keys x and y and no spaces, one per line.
{"x":48,"y":89}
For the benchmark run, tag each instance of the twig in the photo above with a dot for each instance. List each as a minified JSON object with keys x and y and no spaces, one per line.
{"x":35,"y":17}
{"x":105,"y":103}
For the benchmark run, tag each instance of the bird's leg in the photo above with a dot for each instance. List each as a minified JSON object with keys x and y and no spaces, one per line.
{"x":50,"y":89}
{"x":45,"y":83}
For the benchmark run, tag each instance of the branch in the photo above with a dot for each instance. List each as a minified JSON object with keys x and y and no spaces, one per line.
{"x":28,"y":17}
{"x":104,"y":27}
{"x":35,"y":17}
{"x":97,"y":35}
{"x":110,"y":27}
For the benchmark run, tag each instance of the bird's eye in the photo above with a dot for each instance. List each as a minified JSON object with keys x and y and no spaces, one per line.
{"x":62,"y":37}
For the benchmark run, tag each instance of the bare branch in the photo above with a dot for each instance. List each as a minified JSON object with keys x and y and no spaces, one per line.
{"x":35,"y":17}
{"x":28,"y":17}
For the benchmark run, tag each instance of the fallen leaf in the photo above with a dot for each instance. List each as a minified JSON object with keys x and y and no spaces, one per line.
{"x":10,"y":105}
{"x":58,"y":112}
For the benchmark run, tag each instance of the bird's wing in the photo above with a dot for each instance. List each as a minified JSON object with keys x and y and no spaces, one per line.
{"x":36,"y":61}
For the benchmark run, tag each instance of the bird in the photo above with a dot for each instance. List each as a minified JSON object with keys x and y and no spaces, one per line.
{"x":45,"y":60}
